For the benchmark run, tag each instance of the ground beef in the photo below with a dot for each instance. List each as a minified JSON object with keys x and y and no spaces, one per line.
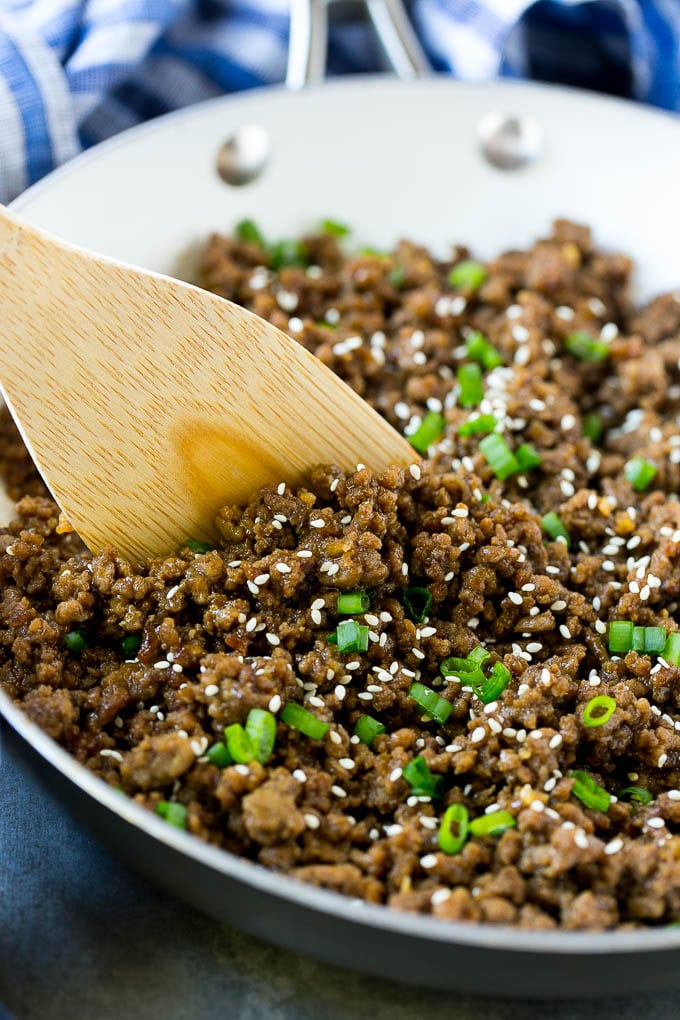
{"x":139,"y":670}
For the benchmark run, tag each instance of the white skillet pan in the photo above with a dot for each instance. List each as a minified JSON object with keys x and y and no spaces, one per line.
{"x":392,"y":159}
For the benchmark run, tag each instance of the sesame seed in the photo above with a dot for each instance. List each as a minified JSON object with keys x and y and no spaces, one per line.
{"x":242,"y":770}
{"x":365,"y":696}
{"x":304,"y":554}
{"x":110,"y":753}
{"x":673,"y":794}
{"x":515,"y":598}
{"x":311,"y":821}
{"x":335,"y":737}
{"x":346,"y":763}
{"x":318,"y":522}
{"x":395,"y":774}
{"x":338,"y":791}
{"x":477,"y":734}
{"x":663,"y":758}
{"x":555,"y":741}
{"x":272,"y":639}
{"x":538,"y":806}
{"x":564,"y":631}
{"x":163,"y":664}
{"x":581,"y":839}
{"x":283,"y":568}
{"x":655,"y":823}
{"x":613,"y":846}
{"x":414,"y":471}
{"x":428,"y":861}
{"x":316,"y":617}
{"x":316,"y":702}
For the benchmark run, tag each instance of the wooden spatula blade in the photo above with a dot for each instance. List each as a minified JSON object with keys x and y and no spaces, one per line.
{"x":148,"y":403}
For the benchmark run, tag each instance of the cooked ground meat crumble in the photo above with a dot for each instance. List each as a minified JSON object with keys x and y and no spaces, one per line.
{"x":137,"y":672}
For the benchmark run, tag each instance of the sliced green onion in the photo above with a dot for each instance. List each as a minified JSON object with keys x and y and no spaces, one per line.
{"x":637,"y":794}
{"x":593,"y":426}
{"x":300,"y":719}
{"x":439,"y":708}
{"x":350,"y":637}
{"x":451,"y":842}
{"x":671,"y":650}
{"x":494,"y":685}
{"x":198,"y":547}
{"x":467,"y":274}
{"x":219,"y":755}
{"x":499,"y":456}
{"x":640,"y":473}
{"x":655,"y":640}
{"x":248,"y":230}
{"x":589,"y":792}
{"x":396,"y":277}
{"x":478,"y":348}
{"x":374,"y":253}
{"x":239,"y":744}
{"x":528,"y":457}
{"x":287,"y":253}
{"x":174,"y":813}
{"x":621,"y":636}
{"x":470,"y":382}
{"x":478,"y":656}
{"x":421,"y":780}
{"x":583,"y":347}
{"x":335,"y":229}
{"x":353,"y":602}
{"x":454,"y":666}
{"x":417,"y":602}
{"x":367,"y":729}
{"x":553,"y":526}
{"x":428,"y":432}
{"x":650,"y":640}
{"x":261,"y":729}
{"x":75,"y":641}
{"x":130,"y":645}
{"x":598,"y":711}
{"x":492,"y":824}
{"x":478,"y":426}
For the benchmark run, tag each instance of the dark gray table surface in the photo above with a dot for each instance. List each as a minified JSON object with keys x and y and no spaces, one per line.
{"x":82,"y":938}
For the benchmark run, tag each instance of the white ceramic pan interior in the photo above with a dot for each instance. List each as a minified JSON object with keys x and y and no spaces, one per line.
{"x":392,"y":159}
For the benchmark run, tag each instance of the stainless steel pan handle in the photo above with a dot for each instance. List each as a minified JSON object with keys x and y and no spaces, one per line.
{"x":308,"y":42}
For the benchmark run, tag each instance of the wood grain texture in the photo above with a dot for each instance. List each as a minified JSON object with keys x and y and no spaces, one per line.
{"x":148,"y":403}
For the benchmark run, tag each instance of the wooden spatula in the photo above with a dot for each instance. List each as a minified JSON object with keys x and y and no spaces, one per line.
{"x":147,"y":403}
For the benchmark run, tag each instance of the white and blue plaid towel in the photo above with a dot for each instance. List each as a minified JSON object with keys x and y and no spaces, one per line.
{"x":73,"y":72}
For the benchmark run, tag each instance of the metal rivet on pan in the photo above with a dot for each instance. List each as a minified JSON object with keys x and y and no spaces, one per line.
{"x":244,"y":155}
{"x":510,"y":142}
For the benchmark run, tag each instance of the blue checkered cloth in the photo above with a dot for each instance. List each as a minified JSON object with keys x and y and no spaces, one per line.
{"x":73,"y":72}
